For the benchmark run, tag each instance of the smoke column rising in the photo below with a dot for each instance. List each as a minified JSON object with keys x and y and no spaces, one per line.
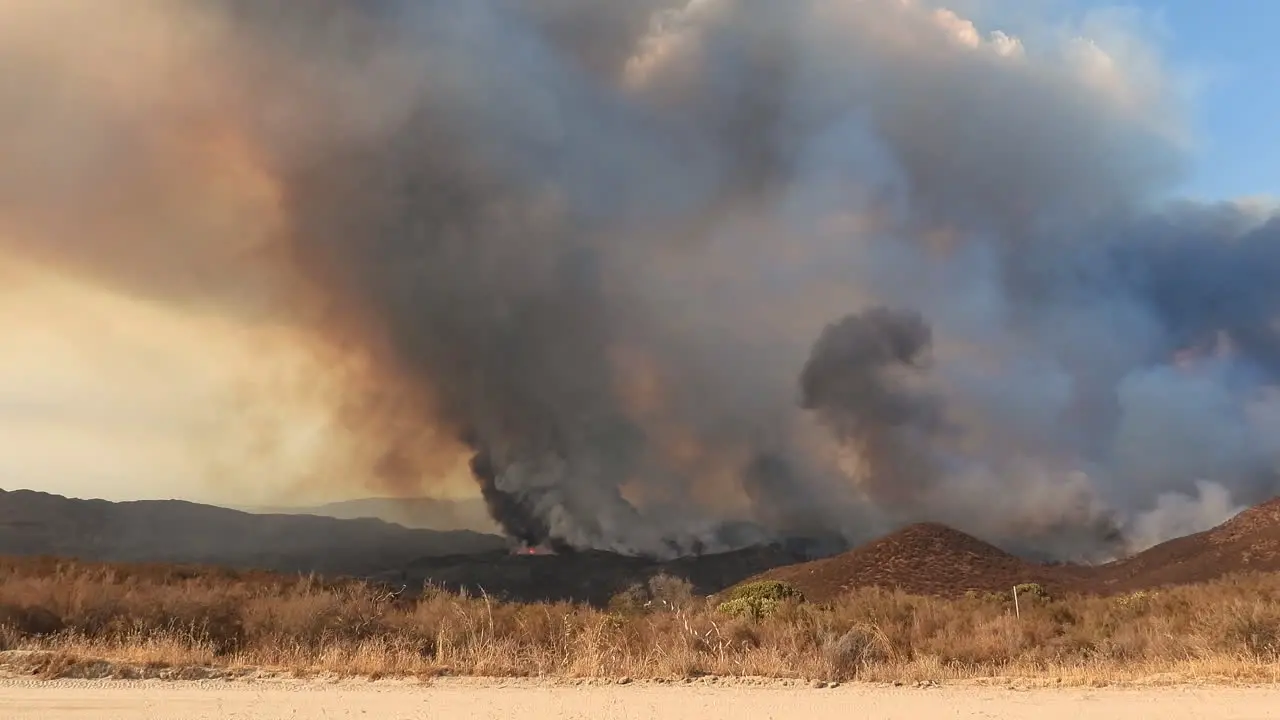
{"x":681,"y":275}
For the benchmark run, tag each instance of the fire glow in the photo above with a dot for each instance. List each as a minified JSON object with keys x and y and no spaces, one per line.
{"x":530,"y":550}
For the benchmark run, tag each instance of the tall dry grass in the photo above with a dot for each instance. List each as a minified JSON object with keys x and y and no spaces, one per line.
{"x":1229,"y":630}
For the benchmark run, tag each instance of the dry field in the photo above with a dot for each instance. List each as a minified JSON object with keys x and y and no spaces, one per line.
{"x":87,"y":621}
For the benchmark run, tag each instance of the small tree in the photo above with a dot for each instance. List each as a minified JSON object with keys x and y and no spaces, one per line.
{"x":1031,"y":591}
{"x":759,"y":600}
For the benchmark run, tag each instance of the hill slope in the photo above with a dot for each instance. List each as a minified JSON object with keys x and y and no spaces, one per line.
{"x":932,"y":559}
{"x":924,"y":559}
{"x":1249,"y":542}
{"x":421,"y":513}
{"x":33,"y":523}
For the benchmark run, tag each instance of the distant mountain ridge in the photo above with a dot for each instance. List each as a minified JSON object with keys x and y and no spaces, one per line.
{"x":36,"y":523}
{"x":419,"y":513}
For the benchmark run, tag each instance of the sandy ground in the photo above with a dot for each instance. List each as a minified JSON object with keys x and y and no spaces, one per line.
{"x":463,"y":700}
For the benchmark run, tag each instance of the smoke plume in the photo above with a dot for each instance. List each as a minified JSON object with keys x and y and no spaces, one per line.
{"x":855,"y":383}
{"x":681,"y":274}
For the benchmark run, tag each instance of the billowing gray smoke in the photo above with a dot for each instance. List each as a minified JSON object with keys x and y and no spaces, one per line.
{"x":856,"y":382}
{"x":595,"y":242}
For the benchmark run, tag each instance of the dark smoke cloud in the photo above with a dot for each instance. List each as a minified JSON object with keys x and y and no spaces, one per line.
{"x":857,"y":383}
{"x":595,"y":242}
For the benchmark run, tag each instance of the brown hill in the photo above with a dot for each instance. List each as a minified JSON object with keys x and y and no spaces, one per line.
{"x":932,"y":559}
{"x":1257,"y":523}
{"x":925,"y":559}
{"x":1249,"y":542}
{"x":170,"y":531}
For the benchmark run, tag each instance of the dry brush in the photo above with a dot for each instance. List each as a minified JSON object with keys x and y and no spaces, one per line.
{"x":184,"y":617}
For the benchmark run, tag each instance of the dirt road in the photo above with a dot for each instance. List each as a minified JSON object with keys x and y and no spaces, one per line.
{"x":463,"y":700}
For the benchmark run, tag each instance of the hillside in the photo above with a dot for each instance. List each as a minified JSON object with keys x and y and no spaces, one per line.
{"x":925,"y":559}
{"x":1249,"y":542}
{"x":932,"y":559}
{"x":34,"y":523}
{"x":419,"y":513}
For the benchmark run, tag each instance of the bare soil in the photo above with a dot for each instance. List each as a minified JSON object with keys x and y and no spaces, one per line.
{"x":702,"y":700}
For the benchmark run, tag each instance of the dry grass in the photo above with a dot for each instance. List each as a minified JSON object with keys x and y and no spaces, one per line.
{"x":1225,"y":631}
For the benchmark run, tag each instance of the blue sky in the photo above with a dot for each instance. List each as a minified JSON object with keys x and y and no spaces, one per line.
{"x":1230,"y":47}
{"x":1234,"y":45}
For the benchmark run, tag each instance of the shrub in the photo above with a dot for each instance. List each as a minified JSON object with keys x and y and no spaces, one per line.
{"x":1031,"y":591}
{"x":749,"y":608}
{"x":162,"y":618}
{"x":10,"y":638}
{"x":1255,"y":627}
{"x":29,"y":620}
{"x":855,"y":650}
{"x":1138,"y":601}
{"x":986,"y":596}
{"x":774,"y":590}
{"x":759,"y":600}
{"x":670,"y":592}
{"x":661,"y":592}
{"x":633,"y":600}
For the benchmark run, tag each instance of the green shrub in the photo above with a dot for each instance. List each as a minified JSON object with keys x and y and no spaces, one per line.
{"x":986,"y":596}
{"x":749,"y":608}
{"x":758,"y":600}
{"x":1138,"y":601}
{"x":774,"y":590}
{"x":1031,"y":591}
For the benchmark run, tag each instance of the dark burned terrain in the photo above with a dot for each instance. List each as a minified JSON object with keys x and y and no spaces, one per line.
{"x":591,"y":576}
{"x":184,"y":533}
{"x":924,"y":559}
